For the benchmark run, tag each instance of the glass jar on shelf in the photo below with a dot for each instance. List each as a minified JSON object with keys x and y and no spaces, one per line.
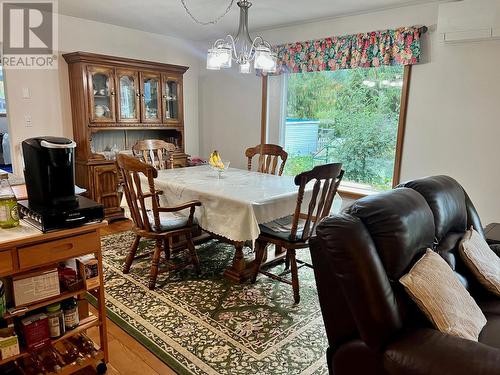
{"x":70,"y":311}
{"x":56,"y":320}
{"x":9,"y":216}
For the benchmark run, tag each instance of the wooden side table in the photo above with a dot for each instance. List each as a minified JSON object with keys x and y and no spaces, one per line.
{"x":25,"y":249}
{"x":492,"y":233}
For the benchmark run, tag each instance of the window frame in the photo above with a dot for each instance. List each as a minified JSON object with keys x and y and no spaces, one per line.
{"x":348,"y":190}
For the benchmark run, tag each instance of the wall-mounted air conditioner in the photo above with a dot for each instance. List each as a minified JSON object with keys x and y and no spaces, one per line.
{"x":469,"y":20}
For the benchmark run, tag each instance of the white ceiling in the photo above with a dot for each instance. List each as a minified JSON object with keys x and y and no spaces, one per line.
{"x":169,"y":18}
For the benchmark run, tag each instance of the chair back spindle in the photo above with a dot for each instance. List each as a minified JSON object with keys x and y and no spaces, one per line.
{"x":327,"y":180}
{"x":155,"y":152}
{"x":269,"y":158}
{"x":130,"y":169}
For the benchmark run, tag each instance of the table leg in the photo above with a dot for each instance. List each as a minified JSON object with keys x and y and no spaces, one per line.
{"x":240,"y":269}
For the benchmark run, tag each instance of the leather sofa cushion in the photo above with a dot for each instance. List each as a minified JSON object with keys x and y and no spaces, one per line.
{"x":401,"y":225}
{"x":355,"y":357}
{"x":358,"y":269}
{"x":490,"y":306}
{"x":430,"y":352}
{"x":490,"y":335}
{"x":339,"y":323}
{"x":446,"y":199}
{"x":448,"y":249}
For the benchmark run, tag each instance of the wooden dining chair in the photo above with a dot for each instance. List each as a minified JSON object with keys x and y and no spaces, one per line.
{"x":152,"y":221}
{"x":269,"y":156}
{"x":156,"y":152}
{"x":293,"y":232}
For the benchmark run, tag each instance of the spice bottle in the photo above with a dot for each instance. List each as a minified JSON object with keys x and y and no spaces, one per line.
{"x":56,"y":320}
{"x":70,"y":310}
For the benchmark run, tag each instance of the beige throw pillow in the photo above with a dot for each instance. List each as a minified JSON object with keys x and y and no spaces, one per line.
{"x":434,"y":287}
{"x":481,"y":260}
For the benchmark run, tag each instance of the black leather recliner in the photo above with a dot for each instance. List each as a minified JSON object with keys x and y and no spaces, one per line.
{"x":373,"y":327}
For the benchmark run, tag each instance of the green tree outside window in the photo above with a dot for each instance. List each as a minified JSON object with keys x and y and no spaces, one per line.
{"x":358,"y":113}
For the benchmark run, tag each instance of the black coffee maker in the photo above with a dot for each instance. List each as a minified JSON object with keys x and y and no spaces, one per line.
{"x":50,"y":171}
{"x":50,"y":181}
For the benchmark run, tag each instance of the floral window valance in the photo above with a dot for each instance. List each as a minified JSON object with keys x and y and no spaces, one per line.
{"x":366,"y":50}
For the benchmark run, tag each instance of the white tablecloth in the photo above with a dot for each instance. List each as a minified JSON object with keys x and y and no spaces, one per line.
{"x":235,"y":205}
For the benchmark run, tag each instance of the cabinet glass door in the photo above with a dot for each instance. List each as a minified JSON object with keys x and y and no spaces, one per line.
{"x":102,"y":94}
{"x":151,"y":98}
{"x":128,"y":95}
{"x":172,"y":100}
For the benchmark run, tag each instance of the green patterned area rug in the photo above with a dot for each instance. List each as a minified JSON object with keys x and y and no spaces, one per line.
{"x":204,"y":324}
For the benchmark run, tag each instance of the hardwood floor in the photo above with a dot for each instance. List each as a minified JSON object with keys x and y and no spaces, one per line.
{"x":117,"y":226}
{"x":126,"y":355}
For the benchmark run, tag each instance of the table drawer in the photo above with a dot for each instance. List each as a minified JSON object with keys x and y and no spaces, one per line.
{"x":58,"y":250}
{"x":6,"y":264}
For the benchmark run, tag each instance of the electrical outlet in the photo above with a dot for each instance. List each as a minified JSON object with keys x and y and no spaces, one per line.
{"x":27,"y":121}
{"x":26,"y":93}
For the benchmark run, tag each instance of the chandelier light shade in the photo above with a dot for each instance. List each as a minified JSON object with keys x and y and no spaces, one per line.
{"x":265,"y":59}
{"x":245,"y":68}
{"x":218,"y":58}
{"x":242,"y":49}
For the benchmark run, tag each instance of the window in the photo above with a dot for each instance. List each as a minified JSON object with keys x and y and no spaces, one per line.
{"x":3,"y":107}
{"x":347,"y":116}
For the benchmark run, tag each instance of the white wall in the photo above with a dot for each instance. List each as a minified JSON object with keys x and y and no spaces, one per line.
{"x":452,"y":125}
{"x":49,"y":105}
{"x":230,"y":109}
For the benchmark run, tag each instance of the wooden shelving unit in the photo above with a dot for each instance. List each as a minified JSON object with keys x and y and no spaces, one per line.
{"x":85,"y":324}
{"x":23,"y":310}
{"x":74,"y":367}
{"x":67,"y":244}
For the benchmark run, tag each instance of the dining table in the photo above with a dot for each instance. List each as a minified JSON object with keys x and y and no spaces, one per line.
{"x":233,"y":204}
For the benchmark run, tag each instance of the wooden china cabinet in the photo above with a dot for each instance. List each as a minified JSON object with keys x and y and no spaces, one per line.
{"x":115,"y":102}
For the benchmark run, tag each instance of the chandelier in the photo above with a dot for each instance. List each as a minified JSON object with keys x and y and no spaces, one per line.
{"x":241,"y":48}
